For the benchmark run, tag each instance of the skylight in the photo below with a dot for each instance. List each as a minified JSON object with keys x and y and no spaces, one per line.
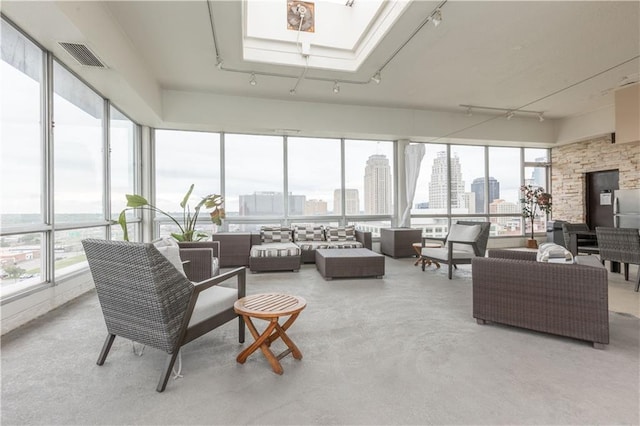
{"x":342,"y":37}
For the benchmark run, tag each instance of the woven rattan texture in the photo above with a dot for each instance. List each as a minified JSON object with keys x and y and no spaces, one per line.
{"x":619,"y":244}
{"x":143,"y":297}
{"x":568,"y":300}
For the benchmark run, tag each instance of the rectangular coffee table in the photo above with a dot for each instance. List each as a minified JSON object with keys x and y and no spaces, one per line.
{"x":349,"y":263}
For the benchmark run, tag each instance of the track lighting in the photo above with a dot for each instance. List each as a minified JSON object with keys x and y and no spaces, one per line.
{"x":509,"y":113}
{"x":336,"y":87}
{"x":436,"y":18}
{"x":376,"y":78}
{"x":253,"y":81}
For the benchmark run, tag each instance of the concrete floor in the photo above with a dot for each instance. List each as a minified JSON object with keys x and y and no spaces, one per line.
{"x":399,"y":350}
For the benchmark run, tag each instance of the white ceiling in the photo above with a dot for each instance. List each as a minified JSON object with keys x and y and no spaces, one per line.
{"x":561,"y":57}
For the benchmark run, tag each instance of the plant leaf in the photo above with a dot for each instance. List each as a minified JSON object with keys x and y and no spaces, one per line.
{"x":136,"y":201}
{"x":185,"y":200}
{"x":122,"y":220}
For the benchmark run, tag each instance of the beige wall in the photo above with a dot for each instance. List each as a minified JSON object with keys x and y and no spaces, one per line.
{"x":571,"y":162}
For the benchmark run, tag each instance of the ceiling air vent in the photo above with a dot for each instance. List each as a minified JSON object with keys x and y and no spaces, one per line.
{"x":82,"y":54}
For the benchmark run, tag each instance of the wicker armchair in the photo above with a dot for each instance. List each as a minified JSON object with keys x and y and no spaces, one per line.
{"x":510,"y":287}
{"x":620,"y":245}
{"x":462,"y":244}
{"x":145,"y":299}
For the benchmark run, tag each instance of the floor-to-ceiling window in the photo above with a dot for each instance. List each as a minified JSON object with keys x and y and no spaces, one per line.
{"x":56,"y":171}
{"x":471,"y":182}
{"x":182,"y":159}
{"x":369,"y":189}
{"x":124,"y":171}
{"x":22,"y":188}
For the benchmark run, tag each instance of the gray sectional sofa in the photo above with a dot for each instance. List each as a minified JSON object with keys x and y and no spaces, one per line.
{"x":284,"y":248}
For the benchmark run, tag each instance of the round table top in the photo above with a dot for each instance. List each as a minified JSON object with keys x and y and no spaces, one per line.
{"x":269,"y":305}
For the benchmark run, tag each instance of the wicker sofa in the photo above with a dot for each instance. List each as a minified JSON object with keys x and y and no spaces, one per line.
{"x":510,"y":287}
{"x":283,"y":248}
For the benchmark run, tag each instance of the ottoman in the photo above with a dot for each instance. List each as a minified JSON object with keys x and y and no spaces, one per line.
{"x":349,"y":263}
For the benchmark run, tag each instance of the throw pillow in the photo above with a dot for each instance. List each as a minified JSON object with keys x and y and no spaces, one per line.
{"x":275,"y":234}
{"x":307,"y":233}
{"x":341,"y":233}
{"x":169,"y":248}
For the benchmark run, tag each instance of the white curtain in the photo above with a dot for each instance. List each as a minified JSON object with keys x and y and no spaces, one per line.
{"x":413,"y":154}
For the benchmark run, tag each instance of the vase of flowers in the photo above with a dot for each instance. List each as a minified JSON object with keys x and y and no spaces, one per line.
{"x":535,"y":201}
{"x":187,"y":225}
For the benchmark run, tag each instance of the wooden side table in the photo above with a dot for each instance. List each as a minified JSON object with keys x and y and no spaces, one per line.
{"x":270,"y":307}
{"x":425,"y":261}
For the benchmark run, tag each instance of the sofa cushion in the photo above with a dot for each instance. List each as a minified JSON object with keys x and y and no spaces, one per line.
{"x":463,"y":233}
{"x":308,"y":233}
{"x":275,"y":234}
{"x":341,"y":233}
{"x":275,"y":250}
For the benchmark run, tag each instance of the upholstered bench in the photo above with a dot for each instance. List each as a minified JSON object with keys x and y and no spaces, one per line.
{"x":349,"y":263}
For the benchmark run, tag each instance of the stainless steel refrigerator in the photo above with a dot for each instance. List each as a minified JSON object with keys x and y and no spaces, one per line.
{"x":626,"y":208}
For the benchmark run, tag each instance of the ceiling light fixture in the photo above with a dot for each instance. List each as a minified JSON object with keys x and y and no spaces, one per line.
{"x":436,"y":18}
{"x":336,"y":87}
{"x":376,"y":78}
{"x":508,"y":112}
{"x":253,"y":81}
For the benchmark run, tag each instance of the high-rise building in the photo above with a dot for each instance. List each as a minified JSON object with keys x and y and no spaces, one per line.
{"x":499,"y":206}
{"x":477,"y":187}
{"x":269,"y":204}
{"x":377,"y":185}
{"x":438,"y":183}
{"x":352,"y":201}
{"x":315,"y":207}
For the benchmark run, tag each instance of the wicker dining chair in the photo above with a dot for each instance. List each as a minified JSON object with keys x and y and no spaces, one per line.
{"x":145,"y":299}
{"x":620,"y":245}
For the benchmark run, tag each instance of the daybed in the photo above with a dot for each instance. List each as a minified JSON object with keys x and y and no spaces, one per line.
{"x":511,"y":287}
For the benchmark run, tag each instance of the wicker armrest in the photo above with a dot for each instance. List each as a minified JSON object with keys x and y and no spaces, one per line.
{"x":364,"y":237}
{"x":240,"y":272}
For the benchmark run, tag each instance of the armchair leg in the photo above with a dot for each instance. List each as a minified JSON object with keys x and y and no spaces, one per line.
{"x":638,"y":280}
{"x":164,"y":378}
{"x":450,"y":270}
{"x":107,"y":347}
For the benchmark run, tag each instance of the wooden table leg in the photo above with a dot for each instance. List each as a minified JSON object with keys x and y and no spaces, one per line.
{"x":293,"y":349}
{"x":260,"y":342}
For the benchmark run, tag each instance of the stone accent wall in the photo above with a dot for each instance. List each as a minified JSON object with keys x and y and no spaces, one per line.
{"x":569,"y":163}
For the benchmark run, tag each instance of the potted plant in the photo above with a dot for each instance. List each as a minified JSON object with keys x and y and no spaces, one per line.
{"x":534,"y":202}
{"x":187,"y":227}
